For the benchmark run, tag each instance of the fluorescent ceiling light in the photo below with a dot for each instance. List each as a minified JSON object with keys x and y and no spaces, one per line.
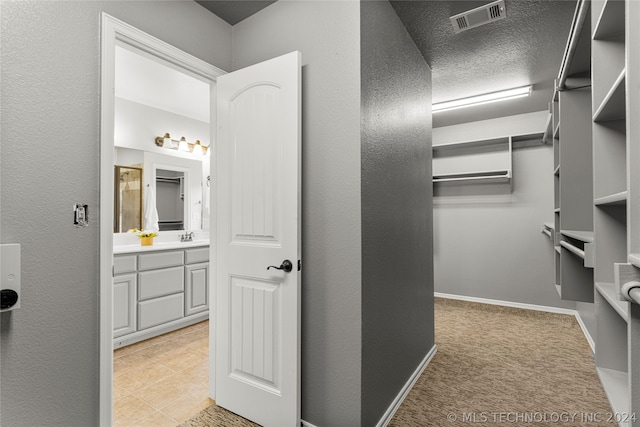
{"x":486,"y":98}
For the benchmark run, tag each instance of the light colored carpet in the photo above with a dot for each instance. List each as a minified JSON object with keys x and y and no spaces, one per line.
{"x":215,"y":416}
{"x":505,"y":366}
{"x":494,"y":366}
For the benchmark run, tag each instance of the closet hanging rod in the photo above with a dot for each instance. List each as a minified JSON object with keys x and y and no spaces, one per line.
{"x":575,"y":250}
{"x":631,"y":292}
{"x":582,"y":10}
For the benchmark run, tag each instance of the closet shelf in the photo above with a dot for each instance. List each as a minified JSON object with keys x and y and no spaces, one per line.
{"x":547,"y":137}
{"x":610,"y":293}
{"x":609,"y":20}
{"x":497,"y":175}
{"x":615,"y":384}
{"x":471,"y":144}
{"x":612,"y":199}
{"x":634,"y":259}
{"x":489,"y":141}
{"x":613,"y":106}
{"x":583,"y":236}
{"x":556,"y":210}
{"x":528,"y":137}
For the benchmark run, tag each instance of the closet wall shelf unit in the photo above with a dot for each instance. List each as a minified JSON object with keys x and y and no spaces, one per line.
{"x":482,"y":160}
{"x":613,"y":199}
{"x":572,"y":168}
{"x":616,"y":212}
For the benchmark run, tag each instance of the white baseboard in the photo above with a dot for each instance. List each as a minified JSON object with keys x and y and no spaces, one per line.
{"x":393,"y":408}
{"x":585,"y":331}
{"x":524,"y":306}
{"x":390,"y":412}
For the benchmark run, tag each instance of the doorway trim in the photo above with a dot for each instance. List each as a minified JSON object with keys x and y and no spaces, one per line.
{"x":113,"y":31}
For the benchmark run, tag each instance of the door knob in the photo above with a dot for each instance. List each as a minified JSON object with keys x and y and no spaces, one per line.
{"x":286,"y":266}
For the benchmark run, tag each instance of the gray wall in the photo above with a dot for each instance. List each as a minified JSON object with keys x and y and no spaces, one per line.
{"x":50,"y":82}
{"x":328,"y":35}
{"x":397,"y":218}
{"x":488,"y":242}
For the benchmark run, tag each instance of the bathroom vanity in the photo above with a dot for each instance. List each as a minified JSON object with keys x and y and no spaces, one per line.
{"x":158,"y":289}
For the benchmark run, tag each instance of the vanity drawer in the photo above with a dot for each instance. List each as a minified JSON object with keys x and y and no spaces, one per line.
{"x":124,"y":264}
{"x":154,"y":260}
{"x":160,"y":310}
{"x":195,"y":255}
{"x":157,"y":283}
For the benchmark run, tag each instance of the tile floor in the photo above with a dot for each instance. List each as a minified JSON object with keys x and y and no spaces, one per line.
{"x":162,"y":381}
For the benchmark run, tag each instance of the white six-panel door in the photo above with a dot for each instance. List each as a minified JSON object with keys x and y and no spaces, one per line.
{"x":257,"y":310}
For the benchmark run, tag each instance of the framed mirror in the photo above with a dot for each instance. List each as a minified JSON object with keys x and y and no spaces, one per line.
{"x":128,"y":186}
{"x":174,"y":194}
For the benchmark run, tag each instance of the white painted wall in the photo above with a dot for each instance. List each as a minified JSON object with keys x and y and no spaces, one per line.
{"x":138,"y":125}
{"x":488,"y":242}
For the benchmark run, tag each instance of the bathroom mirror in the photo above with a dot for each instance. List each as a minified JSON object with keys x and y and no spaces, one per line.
{"x":176,"y":187}
{"x":128,"y":198}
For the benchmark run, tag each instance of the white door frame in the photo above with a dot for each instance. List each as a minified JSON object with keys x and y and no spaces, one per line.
{"x":112,"y":31}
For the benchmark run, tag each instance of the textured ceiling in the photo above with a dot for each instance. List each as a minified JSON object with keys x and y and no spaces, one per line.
{"x":524,"y":48}
{"x":234,"y":11}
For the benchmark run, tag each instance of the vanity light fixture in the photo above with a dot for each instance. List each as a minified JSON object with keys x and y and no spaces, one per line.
{"x":486,"y":98}
{"x":181,"y":145}
{"x":201,"y":148}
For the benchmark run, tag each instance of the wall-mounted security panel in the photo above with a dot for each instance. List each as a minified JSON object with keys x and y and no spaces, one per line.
{"x":10,"y":277}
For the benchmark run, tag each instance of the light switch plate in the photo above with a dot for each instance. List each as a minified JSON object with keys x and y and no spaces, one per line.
{"x":10,"y":271}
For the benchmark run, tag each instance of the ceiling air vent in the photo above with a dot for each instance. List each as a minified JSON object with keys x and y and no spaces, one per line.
{"x":478,"y":16}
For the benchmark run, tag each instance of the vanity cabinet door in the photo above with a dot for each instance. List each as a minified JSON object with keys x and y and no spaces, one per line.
{"x":197,"y":288}
{"x":124,"y":304}
{"x":196,"y":255}
{"x":158,"y":283}
{"x":161,"y":310}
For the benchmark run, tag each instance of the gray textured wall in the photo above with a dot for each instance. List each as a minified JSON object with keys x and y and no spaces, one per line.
{"x":328,"y":35}
{"x":397,"y":218}
{"x":50,"y":121}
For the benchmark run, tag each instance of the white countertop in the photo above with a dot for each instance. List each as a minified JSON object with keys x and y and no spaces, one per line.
{"x":158,"y":246}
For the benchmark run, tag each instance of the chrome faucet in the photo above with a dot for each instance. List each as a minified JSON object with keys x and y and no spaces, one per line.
{"x":186,"y":237}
